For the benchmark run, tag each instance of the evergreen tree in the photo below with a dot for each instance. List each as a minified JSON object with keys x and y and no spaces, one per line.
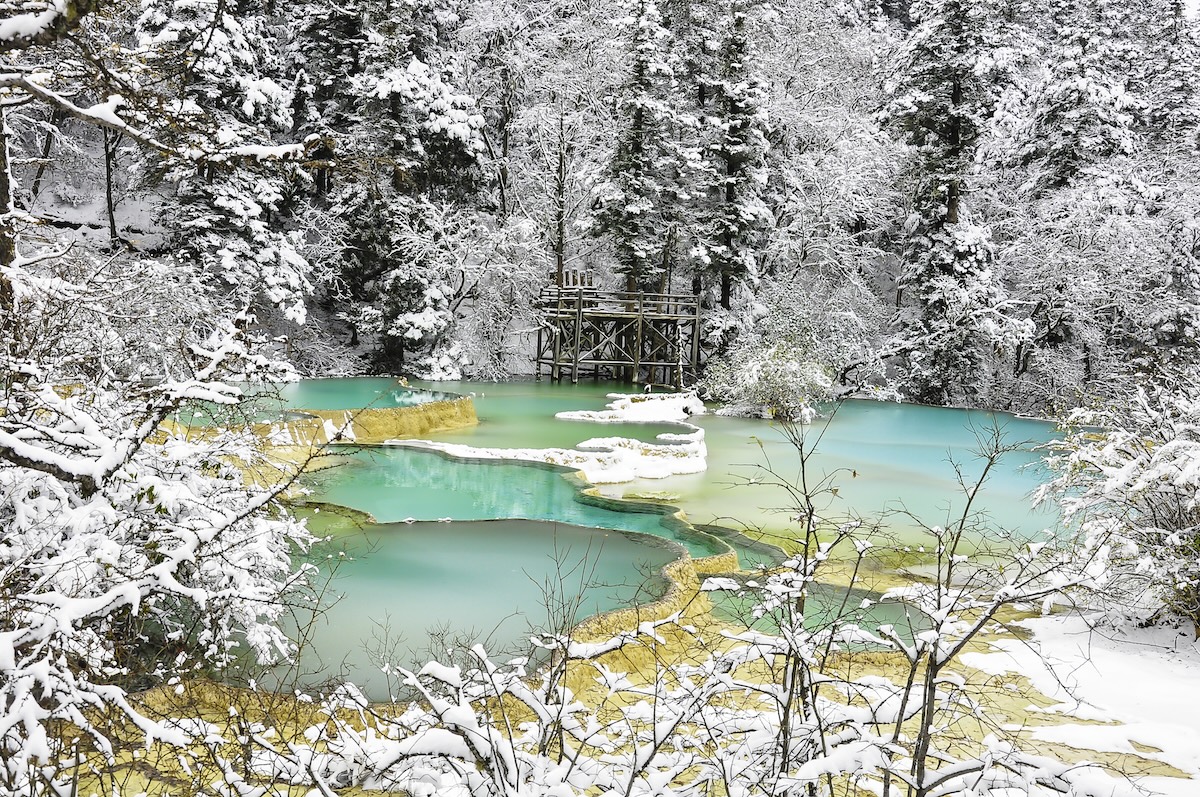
{"x":943,"y":94}
{"x":1080,"y":112}
{"x":329,"y":50}
{"x":402,"y":142}
{"x":695,"y":25}
{"x":1168,"y":74}
{"x":639,"y":196}
{"x":1092,"y":181}
{"x":223,"y":72}
{"x":738,"y":152}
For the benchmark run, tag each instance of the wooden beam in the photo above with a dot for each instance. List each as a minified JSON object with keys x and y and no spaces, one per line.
{"x":578,"y":334}
{"x":619,"y":330}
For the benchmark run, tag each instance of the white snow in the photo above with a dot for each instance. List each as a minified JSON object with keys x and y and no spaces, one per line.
{"x":264,"y":152}
{"x":643,"y":408}
{"x":28,"y":26}
{"x":611,"y":460}
{"x":1144,"y":682}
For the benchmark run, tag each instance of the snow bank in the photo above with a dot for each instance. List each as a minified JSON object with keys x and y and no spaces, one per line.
{"x":1145,"y":682}
{"x":611,"y":460}
{"x":642,"y":408}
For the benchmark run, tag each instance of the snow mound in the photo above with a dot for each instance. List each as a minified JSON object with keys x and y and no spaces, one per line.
{"x":613,"y":460}
{"x":641,"y":408}
{"x":602,"y":460}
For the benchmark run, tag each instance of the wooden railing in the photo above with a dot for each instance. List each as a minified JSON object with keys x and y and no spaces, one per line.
{"x":593,"y":299}
{"x":634,"y":336}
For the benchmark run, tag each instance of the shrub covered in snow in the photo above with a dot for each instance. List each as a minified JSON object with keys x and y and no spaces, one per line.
{"x":130,"y":553}
{"x":810,"y":343}
{"x":1133,"y":491}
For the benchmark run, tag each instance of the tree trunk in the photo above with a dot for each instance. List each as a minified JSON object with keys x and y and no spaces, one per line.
{"x":56,"y":118}
{"x":560,"y":204}
{"x":111,"y":142}
{"x":955,"y":154}
{"x":8,"y":232}
{"x":8,"y":255}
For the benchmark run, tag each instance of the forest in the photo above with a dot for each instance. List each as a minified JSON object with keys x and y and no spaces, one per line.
{"x":994,"y":207}
{"x":965,"y":203}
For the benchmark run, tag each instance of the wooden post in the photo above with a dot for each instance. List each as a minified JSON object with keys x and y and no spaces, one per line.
{"x":578,"y":334}
{"x":623,"y":331}
{"x":537,"y":366}
{"x":556,"y":354}
{"x":637,"y":338}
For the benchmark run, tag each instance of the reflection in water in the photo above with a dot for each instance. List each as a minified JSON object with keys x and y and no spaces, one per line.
{"x":352,"y":394}
{"x":270,"y":403}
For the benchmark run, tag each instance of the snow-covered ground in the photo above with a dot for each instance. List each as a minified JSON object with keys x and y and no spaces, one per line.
{"x":609,"y":460}
{"x":1134,"y":691}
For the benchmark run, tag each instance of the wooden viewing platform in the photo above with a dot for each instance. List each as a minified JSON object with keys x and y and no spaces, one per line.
{"x":636,"y":337}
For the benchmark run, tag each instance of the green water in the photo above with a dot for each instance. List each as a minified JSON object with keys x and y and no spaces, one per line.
{"x":396,"y":483}
{"x":485,"y":581}
{"x":521,"y":415}
{"x":886,"y":460}
{"x":350,"y":394}
{"x":473,"y":573}
{"x":275,"y":402}
{"x":825,"y":606}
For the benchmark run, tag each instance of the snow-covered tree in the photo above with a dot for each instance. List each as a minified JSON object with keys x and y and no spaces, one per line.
{"x":1065,"y":251}
{"x":943,"y":92}
{"x":810,"y":342}
{"x":400,"y":142}
{"x":1080,"y":112}
{"x":736,"y":216}
{"x":219,"y":74}
{"x":1149,"y":49}
{"x":441,"y":261}
{"x":942,"y":96}
{"x":831,"y":172}
{"x":828,"y":183}
{"x":536,"y":71}
{"x":641,"y":196}
{"x":131,"y":552}
{"x":1132,"y":491}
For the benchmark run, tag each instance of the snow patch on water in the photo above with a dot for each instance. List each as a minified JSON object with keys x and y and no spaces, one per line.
{"x":612,"y":460}
{"x":642,"y":408}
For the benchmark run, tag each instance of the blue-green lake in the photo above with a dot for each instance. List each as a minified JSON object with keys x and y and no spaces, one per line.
{"x":516,"y":524}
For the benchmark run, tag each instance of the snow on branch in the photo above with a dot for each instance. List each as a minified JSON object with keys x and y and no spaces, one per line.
{"x":104,"y":114}
{"x":42,"y":26}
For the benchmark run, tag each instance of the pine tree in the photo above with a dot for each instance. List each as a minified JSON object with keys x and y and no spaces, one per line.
{"x":1081,"y":112}
{"x":233,"y":215}
{"x":635,"y":201}
{"x":945,"y":90}
{"x":1168,"y":74}
{"x":402,"y":142}
{"x":694,"y":26}
{"x":737,"y":150}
